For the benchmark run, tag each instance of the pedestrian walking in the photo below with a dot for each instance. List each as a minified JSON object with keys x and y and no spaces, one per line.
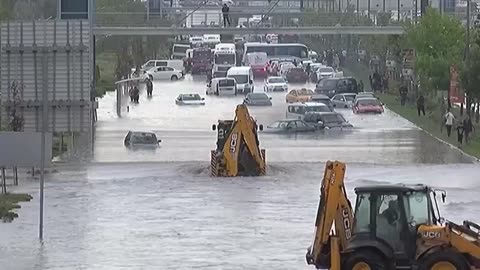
{"x":403,"y":94}
{"x":226,"y":17}
{"x":360,"y":86}
{"x":149,"y":85}
{"x":467,"y":127}
{"x":421,"y":105}
{"x":460,"y":131}
{"x":308,"y":69}
{"x":449,"y":119}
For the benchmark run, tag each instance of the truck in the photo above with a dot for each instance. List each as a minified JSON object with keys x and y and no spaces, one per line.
{"x":179,"y":51}
{"x":203,"y":18}
{"x":201,"y":60}
{"x":224,"y":57}
{"x":394,"y":226}
{"x":238,"y":150}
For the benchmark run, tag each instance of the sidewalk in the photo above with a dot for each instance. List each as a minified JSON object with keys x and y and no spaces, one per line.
{"x":430,"y":123}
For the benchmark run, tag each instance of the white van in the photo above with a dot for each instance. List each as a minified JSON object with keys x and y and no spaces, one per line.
{"x":244,"y":78}
{"x":222,"y":86}
{"x":298,"y":110}
{"x":176,"y":64}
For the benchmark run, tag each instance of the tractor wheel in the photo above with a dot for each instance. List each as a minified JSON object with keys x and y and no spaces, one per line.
{"x":443,"y":260}
{"x":364,"y":260}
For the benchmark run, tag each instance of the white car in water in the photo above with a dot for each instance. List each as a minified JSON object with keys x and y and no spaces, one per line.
{"x":325,"y":72}
{"x":190,"y":99}
{"x":273,"y":84}
{"x":163,"y":73}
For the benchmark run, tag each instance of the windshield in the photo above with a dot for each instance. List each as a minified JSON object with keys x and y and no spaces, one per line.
{"x":225,"y":59}
{"x":417,"y":207}
{"x":317,"y":109}
{"x":202,"y":54}
{"x":326,"y":70}
{"x":368,"y":102}
{"x":143,"y":138}
{"x":257,"y":96}
{"x":328,"y":83}
{"x":226,"y":83}
{"x":191,"y":97}
{"x":349,"y":97}
{"x":240,"y":78}
{"x":305,"y":92}
{"x":333,"y":118}
{"x":276,"y":80}
{"x":279,"y":124}
{"x":299,"y":51}
{"x":180,"y":49}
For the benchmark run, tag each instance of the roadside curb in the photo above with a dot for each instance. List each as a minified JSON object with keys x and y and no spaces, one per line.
{"x":475,"y":159}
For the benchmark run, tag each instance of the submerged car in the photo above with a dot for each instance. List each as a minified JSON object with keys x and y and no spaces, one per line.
{"x":297,"y":75}
{"x":190,"y":99}
{"x":333,"y":86}
{"x":323,"y":99}
{"x":367,"y":105}
{"x":273,"y":84}
{"x":289,"y":126}
{"x":299,"y":95}
{"x":257,"y":99}
{"x":344,"y":100}
{"x":327,"y":120}
{"x":141,"y":139}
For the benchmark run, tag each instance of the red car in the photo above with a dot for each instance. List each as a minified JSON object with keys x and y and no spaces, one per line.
{"x":297,"y":75}
{"x":367,"y":105}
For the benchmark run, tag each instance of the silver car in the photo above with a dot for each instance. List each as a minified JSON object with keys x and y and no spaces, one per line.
{"x":257,"y":99}
{"x":344,"y":100}
{"x":141,"y":139}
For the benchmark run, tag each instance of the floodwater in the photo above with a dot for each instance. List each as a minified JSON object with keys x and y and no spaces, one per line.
{"x":127,"y":210}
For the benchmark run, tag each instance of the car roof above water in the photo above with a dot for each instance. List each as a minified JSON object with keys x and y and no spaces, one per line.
{"x":307,"y":104}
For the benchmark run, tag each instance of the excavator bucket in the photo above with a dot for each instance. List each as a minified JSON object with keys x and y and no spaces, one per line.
{"x":238,"y":152}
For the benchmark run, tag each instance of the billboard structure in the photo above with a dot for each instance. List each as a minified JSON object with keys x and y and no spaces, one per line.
{"x":52,"y":55}
{"x":73,"y":9}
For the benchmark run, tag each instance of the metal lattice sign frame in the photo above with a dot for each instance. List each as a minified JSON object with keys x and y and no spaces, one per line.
{"x":53,"y":55}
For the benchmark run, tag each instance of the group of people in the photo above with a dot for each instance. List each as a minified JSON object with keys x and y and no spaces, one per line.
{"x":464,"y":128}
{"x":134,"y":91}
{"x":378,"y":82}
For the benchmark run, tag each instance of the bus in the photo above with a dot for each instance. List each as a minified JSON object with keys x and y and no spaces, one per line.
{"x":179,"y":51}
{"x":282,"y":50}
{"x":224,"y":57}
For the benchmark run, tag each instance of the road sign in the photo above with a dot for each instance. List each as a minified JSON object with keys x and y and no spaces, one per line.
{"x":74,"y":9}
{"x":65,"y":46}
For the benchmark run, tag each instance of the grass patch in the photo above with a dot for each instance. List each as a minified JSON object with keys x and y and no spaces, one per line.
{"x":9,"y":202}
{"x":106,"y":62}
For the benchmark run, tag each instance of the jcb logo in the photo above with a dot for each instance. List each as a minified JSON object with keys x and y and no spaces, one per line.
{"x":347,"y":224}
{"x":431,"y":235}
{"x":233,"y":143}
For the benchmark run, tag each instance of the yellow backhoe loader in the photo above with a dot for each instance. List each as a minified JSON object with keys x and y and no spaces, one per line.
{"x":238,"y":152}
{"x":393,"y":227}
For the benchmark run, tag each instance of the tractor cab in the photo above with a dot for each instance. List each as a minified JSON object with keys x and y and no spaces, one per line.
{"x":387,"y":218}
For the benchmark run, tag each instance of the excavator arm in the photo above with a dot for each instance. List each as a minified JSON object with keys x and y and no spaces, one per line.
{"x":239,"y":154}
{"x":333,"y":225}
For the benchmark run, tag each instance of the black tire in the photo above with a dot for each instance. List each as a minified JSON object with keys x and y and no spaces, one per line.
{"x":447,"y":256}
{"x":174,"y":78}
{"x":369,"y":257}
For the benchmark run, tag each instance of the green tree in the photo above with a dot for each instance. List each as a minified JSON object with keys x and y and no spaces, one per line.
{"x":470,"y":73}
{"x":438,"y":41}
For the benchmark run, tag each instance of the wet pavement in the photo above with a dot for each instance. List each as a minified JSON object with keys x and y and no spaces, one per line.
{"x":126,"y":210}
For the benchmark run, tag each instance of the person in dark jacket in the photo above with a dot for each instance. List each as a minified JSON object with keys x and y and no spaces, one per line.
{"x":467,"y":127}
{"x":136,"y":94}
{"x":403,"y":94}
{"x":421,"y":105}
{"x":149,"y":85}
{"x":226,"y":17}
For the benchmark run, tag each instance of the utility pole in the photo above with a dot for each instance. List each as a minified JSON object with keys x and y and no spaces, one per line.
{"x":467,"y":36}
{"x":44,"y":131}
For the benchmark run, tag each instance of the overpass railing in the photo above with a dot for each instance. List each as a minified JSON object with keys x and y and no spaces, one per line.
{"x":274,"y":19}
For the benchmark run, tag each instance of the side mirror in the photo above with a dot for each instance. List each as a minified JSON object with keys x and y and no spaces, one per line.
{"x":251,"y":81}
{"x":203,"y":98}
{"x":261,"y":127}
{"x":159,"y":141}
{"x":270,"y":98}
{"x":214,"y":127}
{"x":444,"y":196}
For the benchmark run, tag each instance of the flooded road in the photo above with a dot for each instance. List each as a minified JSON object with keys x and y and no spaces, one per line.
{"x":187,"y":136}
{"x":126,"y":210}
